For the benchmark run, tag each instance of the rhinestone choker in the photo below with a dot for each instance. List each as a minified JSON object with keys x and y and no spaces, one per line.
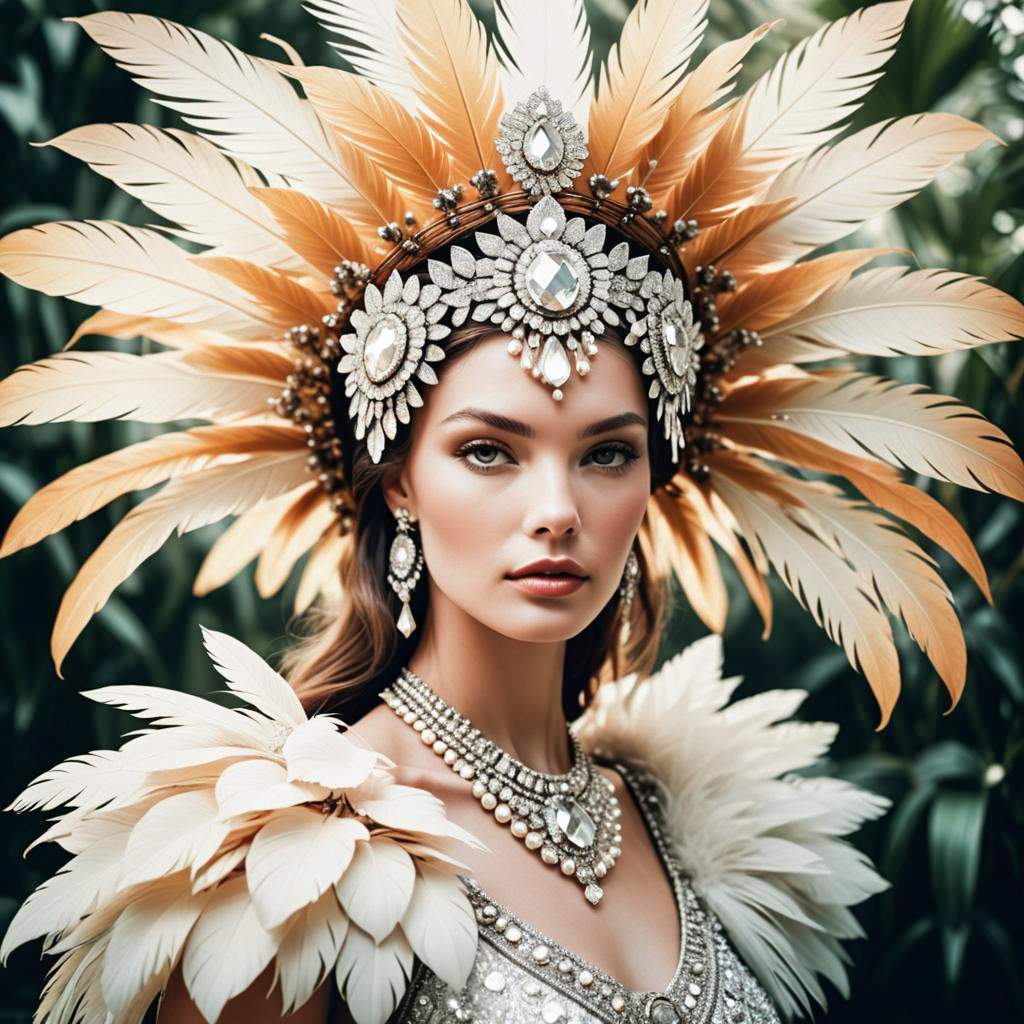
{"x":571,"y":820}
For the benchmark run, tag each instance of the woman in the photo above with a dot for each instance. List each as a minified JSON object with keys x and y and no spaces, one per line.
{"x":523,"y":407}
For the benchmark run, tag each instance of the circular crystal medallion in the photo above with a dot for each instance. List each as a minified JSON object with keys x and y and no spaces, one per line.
{"x":543,"y":147}
{"x":384,"y":348}
{"x":402,"y":556}
{"x":662,"y":1011}
{"x":577,"y":825}
{"x":552,"y":282}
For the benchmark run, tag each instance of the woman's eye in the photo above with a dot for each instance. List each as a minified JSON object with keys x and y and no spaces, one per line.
{"x":482,"y":455}
{"x":613,"y":456}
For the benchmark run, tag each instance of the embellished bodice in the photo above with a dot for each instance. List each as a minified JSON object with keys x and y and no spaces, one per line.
{"x":521,"y":976}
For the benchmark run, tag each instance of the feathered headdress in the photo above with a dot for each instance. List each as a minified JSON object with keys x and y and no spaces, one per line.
{"x":301,"y":320}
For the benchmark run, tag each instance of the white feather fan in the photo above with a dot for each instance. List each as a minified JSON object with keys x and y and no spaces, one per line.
{"x":761,"y":844}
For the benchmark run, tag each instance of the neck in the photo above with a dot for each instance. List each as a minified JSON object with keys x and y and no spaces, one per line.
{"x":511,"y":690}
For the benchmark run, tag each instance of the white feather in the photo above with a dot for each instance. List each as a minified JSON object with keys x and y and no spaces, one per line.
{"x":762,"y":846}
{"x":219,"y":868}
{"x":226,"y":950}
{"x":62,"y":900}
{"x":88,"y":780}
{"x":376,"y":889}
{"x":546,"y":42}
{"x":440,"y":925}
{"x":372,"y":976}
{"x":374,"y":46}
{"x":310,"y":948}
{"x":147,"y":940}
{"x":295,"y":858}
{"x":411,"y":810}
{"x":178,"y":831}
{"x":253,"y":679}
{"x":259,"y":785}
{"x":317,"y":752}
{"x":245,"y":106}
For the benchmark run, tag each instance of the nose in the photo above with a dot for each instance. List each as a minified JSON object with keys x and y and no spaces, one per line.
{"x":552,"y":508}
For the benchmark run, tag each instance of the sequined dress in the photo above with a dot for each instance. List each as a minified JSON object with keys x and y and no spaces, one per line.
{"x":521,"y":976}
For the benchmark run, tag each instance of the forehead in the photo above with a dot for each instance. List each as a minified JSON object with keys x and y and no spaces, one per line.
{"x":488,"y":377}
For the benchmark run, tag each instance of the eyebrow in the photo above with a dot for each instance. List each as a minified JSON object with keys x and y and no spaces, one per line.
{"x":512,"y":426}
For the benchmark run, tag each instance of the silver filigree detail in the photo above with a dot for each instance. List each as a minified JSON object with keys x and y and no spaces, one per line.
{"x":671,"y":340}
{"x":390,"y":350}
{"x":541,"y":144}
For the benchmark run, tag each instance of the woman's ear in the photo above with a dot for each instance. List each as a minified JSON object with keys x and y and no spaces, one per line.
{"x":397,"y":492}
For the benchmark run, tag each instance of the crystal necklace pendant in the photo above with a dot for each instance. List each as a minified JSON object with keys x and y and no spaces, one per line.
{"x":570,"y":820}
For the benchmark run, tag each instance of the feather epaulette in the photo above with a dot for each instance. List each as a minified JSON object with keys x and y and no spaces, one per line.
{"x":761,"y":844}
{"x":230,"y":839}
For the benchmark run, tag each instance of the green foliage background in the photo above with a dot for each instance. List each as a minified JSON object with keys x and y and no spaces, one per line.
{"x":947,"y":941}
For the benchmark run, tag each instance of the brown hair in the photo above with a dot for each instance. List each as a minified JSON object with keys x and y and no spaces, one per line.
{"x":347,"y":652}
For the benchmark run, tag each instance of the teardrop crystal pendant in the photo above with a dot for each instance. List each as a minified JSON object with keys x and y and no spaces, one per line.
{"x":406,"y":623}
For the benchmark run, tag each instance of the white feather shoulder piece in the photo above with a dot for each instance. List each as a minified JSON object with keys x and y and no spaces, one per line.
{"x":226,"y":840}
{"x":763,"y":846}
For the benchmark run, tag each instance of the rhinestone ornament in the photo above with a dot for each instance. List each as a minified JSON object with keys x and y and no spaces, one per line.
{"x":541,"y":144}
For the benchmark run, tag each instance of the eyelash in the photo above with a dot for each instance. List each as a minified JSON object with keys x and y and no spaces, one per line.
{"x":628,"y":451}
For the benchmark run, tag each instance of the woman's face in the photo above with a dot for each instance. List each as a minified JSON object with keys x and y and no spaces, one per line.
{"x":500,"y":475}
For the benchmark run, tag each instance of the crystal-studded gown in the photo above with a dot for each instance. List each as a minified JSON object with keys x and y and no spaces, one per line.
{"x":521,"y":976}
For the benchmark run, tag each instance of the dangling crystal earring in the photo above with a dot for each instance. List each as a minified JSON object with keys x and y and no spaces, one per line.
{"x":627,"y":591}
{"x":406,"y":563}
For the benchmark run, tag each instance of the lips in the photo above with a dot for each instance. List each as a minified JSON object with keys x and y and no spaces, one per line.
{"x":556,"y":568}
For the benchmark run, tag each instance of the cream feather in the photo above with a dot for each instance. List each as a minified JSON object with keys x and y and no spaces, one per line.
{"x":879,"y":483}
{"x":821,"y":580}
{"x":457,"y":81}
{"x":310,"y":948}
{"x":728,"y":791}
{"x":188,"y":180}
{"x":376,"y":889}
{"x":261,"y":785}
{"x":281,"y":299}
{"x":90,"y":386}
{"x":317,"y":751}
{"x":252,"y":679}
{"x":372,"y":976}
{"x":164,"y":332}
{"x":226,"y":950}
{"x":546,"y":42}
{"x":799,"y":104}
{"x":892,"y":311}
{"x":145,"y":942}
{"x":439,"y":924}
{"x":86,"y":488}
{"x":297,"y":531}
{"x":895,"y":568}
{"x":838,"y":188}
{"x":127,"y":270}
{"x":768,"y":298}
{"x":244,"y":539}
{"x":690,"y":118}
{"x":322,"y":570}
{"x":640,"y":81}
{"x":244,"y":106}
{"x":319,"y":235}
{"x":184,"y":504}
{"x":296,"y":858}
{"x":903,"y":424}
{"x":386,"y":131}
{"x":373,"y":43}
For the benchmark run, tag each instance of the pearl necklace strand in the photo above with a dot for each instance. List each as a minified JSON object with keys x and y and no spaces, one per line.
{"x":570,"y":819}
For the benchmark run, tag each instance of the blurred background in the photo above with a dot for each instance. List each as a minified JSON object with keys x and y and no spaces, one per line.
{"x":946,"y":943}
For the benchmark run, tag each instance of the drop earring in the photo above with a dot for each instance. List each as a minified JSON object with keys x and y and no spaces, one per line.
{"x":627,"y":592}
{"x":405,"y":562}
